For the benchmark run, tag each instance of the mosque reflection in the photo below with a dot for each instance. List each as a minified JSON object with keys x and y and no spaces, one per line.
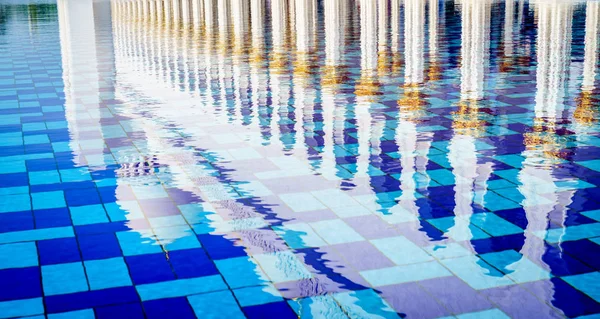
{"x":409,"y":112}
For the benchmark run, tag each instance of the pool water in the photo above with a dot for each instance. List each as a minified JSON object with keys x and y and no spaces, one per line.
{"x":299,"y":159}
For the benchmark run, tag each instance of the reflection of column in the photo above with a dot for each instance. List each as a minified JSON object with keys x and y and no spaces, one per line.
{"x":410,"y":143}
{"x":462,"y":151}
{"x":395,"y":22}
{"x":544,"y":202}
{"x":80,"y":72}
{"x":240,"y":15}
{"x":475,"y":19}
{"x":279,"y":68}
{"x":258,"y":76}
{"x":383,"y":65}
{"x":333,"y":76}
{"x":414,"y":34}
{"x":304,"y":93}
{"x":434,"y":72}
{"x":586,"y":112}
{"x":368,"y":86}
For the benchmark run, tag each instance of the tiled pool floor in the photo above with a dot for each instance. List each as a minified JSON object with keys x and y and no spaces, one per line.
{"x":312,"y":159}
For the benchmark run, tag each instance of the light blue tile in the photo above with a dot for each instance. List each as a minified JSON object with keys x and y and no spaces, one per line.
{"x":123,"y":211}
{"x":593,"y":214}
{"x":317,"y":307}
{"x":47,"y":200}
{"x":476,"y":273}
{"x":405,"y":273}
{"x":18,"y":255}
{"x":91,"y":214}
{"x":180,"y":287}
{"x":63,"y":278}
{"x":365,"y":304}
{"x":495,"y":202}
{"x":448,"y":224}
{"x":442,"y":176}
{"x":13,"y":167}
{"x":486,"y":314}
{"x":494,"y":225}
{"x":336,"y":231}
{"x":257,"y":295}
{"x":107,"y":273}
{"x":44,"y":177}
{"x":15,"y":203}
{"x":282,"y":266}
{"x":133,"y":243}
{"x":14,"y":190}
{"x":401,"y":250}
{"x":59,"y":147}
{"x":570,"y":233}
{"x":241,"y":272}
{"x":516,"y":266}
{"x":513,"y":160}
{"x":499,"y":184}
{"x":75,"y":175}
{"x":197,"y":213}
{"x":302,"y":202}
{"x":31,"y":127}
{"x":216,"y":305}
{"x":78,"y":314}
{"x":587,"y":283}
{"x":36,"y":139}
{"x":177,"y":237}
{"x":36,"y":234}
{"x":593,"y":164}
{"x":299,"y":235}
{"x":22,"y":307}
{"x":445,"y":251}
{"x":167,"y":221}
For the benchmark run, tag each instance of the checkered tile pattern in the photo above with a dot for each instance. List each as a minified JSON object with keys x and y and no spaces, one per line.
{"x":149,"y":174}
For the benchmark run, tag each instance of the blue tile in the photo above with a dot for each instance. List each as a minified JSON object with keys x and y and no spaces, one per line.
{"x":57,"y":217}
{"x":58,"y":251}
{"x":149,"y":268}
{"x":169,"y":308}
{"x":20,"y":283}
{"x":99,"y":246}
{"x":282,"y":309}
{"x":219,"y":247}
{"x":90,"y":299}
{"x":128,"y":310}
{"x":191,"y":263}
